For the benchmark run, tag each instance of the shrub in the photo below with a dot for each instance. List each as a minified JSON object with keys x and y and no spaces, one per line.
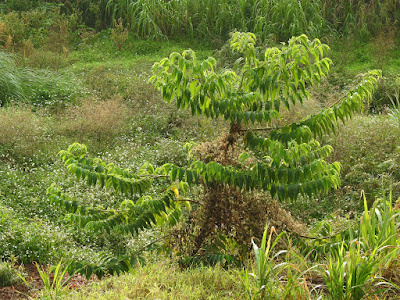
{"x":8,"y":274}
{"x":3,"y":34}
{"x":138,"y":210}
{"x":258,"y":153}
{"x":22,"y":132}
{"x":22,"y":5}
{"x":119,"y":34}
{"x":99,"y":120}
{"x":15,"y":28}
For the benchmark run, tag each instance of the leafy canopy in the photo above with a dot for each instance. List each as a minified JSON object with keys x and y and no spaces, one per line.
{"x":288,"y":161}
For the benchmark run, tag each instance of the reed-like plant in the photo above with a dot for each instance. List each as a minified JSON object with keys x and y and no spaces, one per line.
{"x":379,"y":225}
{"x":265,"y":271}
{"x":350,"y":275}
{"x":355,"y":273}
{"x":216,"y":19}
{"x":279,"y":19}
{"x":359,"y":17}
{"x":55,"y":280}
{"x":11,"y":85}
{"x":394,"y":111}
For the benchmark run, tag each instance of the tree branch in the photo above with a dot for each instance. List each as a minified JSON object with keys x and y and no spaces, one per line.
{"x":189,"y":200}
{"x":153,"y":242}
{"x":259,"y":129}
{"x":154,"y":176}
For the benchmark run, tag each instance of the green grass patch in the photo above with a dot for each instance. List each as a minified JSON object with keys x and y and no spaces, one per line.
{"x":164,"y":280}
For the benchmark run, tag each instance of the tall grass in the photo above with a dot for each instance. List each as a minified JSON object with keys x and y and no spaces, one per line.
{"x":217,"y":18}
{"x":55,"y":279}
{"x":360,"y":16}
{"x":38,"y":87}
{"x":358,"y":272}
{"x":279,"y":19}
{"x":11,"y":84}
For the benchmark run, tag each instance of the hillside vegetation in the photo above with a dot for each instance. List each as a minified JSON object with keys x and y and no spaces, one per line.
{"x":200,"y":149}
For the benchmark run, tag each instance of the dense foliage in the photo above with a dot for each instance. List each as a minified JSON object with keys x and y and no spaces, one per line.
{"x":287,"y":160}
{"x":215,"y":19}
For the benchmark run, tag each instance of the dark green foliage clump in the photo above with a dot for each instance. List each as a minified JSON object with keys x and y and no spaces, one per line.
{"x":279,"y":20}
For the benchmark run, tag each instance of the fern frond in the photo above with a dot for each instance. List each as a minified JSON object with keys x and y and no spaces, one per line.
{"x":285,"y":181}
{"x":129,"y":218}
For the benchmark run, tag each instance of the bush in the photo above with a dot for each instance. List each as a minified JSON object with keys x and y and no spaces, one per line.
{"x":21,"y":133}
{"x":15,"y":28}
{"x":21,"y":5}
{"x":98,"y":120}
{"x":8,"y":274}
{"x":45,"y":25}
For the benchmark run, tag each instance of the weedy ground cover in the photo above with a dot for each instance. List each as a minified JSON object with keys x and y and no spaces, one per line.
{"x":164,"y":280}
{"x":129,"y":125}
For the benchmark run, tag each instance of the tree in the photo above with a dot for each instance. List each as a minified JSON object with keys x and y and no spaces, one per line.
{"x":287,"y":161}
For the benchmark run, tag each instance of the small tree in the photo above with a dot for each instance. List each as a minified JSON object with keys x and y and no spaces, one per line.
{"x":119,"y":34}
{"x":287,"y":161}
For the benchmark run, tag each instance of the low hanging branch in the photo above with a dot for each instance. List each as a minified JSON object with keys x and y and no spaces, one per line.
{"x":139,"y":211}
